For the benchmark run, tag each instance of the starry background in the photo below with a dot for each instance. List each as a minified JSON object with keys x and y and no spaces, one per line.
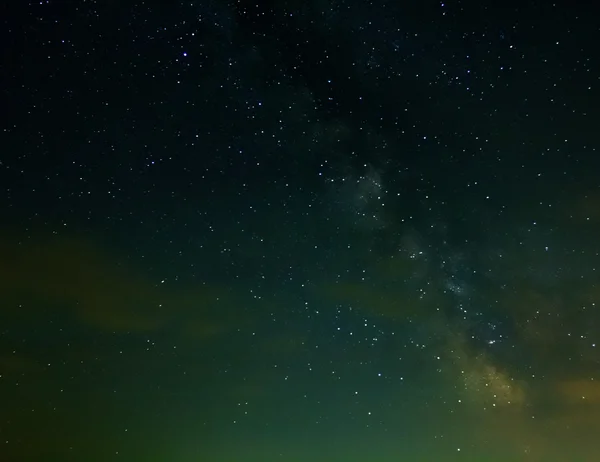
{"x":299,"y":230}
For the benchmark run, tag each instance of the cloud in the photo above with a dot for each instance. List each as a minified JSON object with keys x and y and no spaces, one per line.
{"x":18,"y":364}
{"x":580,"y":391}
{"x":585,"y":207}
{"x":79,"y":277}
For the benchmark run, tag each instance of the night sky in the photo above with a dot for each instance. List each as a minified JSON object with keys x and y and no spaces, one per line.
{"x":305,"y":230}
